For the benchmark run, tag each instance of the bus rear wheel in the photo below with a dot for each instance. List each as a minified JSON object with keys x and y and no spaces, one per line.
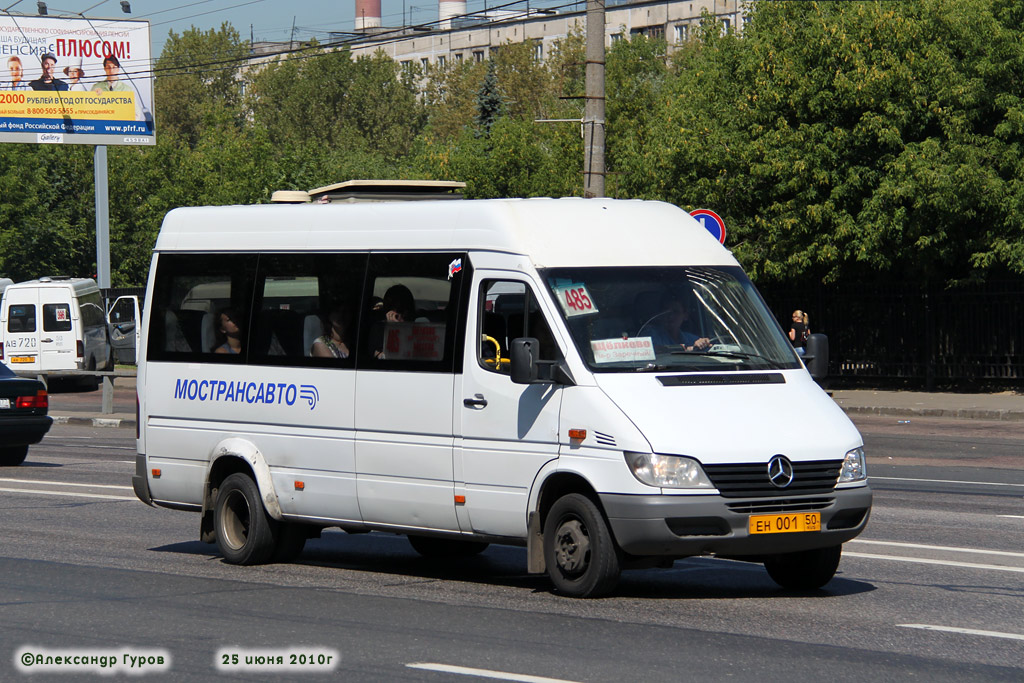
{"x":245,"y":533}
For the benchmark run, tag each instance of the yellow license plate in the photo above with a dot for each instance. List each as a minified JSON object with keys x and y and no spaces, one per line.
{"x":782,"y":524}
{"x":23,"y":359}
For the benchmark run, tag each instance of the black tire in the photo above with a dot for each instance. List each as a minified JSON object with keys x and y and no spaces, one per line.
{"x":428,"y":546}
{"x":291,"y":539}
{"x":582,"y":558}
{"x":11,"y":456}
{"x":805,"y":570}
{"x":245,"y":533}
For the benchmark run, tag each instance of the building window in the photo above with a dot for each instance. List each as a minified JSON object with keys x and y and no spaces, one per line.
{"x":478,"y":56}
{"x":441,"y":61}
{"x":458,"y":57}
{"x":425,"y":63}
{"x":682,"y":33}
{"x":538,"y":51}
{"x":616,"y":37}
{"x":726,"y":25}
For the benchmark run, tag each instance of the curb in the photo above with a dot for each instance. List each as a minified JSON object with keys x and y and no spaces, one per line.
{"x":961,"y":413}
{"x":94,"y":421}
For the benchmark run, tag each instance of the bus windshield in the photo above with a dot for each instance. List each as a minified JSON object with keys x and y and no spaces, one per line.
{"x":676,"y":318}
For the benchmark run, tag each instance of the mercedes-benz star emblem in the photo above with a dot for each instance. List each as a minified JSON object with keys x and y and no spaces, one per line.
{"x":780,"y":471}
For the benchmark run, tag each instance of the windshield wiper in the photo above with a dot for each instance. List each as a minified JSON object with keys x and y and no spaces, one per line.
{"x":775,"y":365}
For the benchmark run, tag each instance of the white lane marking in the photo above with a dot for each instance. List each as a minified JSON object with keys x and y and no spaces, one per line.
{"x":68,"y":493}
{"x":967,"y":631}
{"x":947,"y":481}
{"x":1012,"y":516}
{"x":944,"y":563}
{"x":65,"y":483}
{"x":939,"y":547}
{"x":484,"y":673}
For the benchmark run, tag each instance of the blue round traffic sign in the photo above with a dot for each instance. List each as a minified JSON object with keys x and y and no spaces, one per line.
{"x":712,"y":222}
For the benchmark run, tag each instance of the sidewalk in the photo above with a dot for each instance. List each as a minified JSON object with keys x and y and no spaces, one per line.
{"x":1007,"y":405}
{"x":83,"y":408}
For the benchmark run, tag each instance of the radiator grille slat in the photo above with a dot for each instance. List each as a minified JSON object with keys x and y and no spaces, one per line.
{"x":750,"y":480}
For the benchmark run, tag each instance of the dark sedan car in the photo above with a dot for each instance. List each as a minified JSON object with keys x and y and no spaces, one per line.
{"x":23,"y":418}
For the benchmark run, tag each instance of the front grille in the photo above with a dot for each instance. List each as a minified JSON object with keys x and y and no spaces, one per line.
{"x":751,"y":507}
{"x":751,"y":480}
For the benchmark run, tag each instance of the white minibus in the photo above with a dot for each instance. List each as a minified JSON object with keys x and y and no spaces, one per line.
{"x":594,"y":379}
{"x":52,"y":325}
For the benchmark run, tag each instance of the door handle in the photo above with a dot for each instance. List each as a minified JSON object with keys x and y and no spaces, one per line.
{"x":46,"y":341}
{"x":478,"y":401}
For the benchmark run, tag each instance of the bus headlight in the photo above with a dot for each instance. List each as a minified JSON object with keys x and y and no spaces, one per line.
{"x":854,"y":467}
{"x":668,"y":471}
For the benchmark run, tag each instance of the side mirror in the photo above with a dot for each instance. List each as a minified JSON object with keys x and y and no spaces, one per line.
{"x":523,"y":355}
{"x":816,"y":355}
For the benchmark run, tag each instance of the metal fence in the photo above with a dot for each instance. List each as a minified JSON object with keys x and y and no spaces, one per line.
{"x":913,"y":334}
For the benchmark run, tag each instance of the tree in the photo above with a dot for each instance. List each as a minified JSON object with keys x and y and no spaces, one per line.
{"x":844,"y":140}
{"x":488,"y":103}
{"x":198,"y":75}
{"x":363,"y":104}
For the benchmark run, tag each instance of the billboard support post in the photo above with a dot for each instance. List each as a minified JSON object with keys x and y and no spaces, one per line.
{"x":102,"y":217}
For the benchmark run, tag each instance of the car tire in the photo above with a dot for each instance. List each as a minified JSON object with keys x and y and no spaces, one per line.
{"x":582,"y":558}
{"x":245,"y":533}
{"x":804,"y":570}
{"x":11,"y":456}
{"x":428,"y":546}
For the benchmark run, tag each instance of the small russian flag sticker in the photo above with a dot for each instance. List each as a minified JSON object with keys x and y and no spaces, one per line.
{"x":454,"y":267}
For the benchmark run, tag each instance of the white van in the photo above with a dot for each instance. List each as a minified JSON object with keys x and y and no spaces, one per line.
{"x":54,"y":324}
{"x":596,"y":380}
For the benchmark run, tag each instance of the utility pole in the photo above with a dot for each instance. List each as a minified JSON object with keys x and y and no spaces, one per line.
{"x":593,"y":113}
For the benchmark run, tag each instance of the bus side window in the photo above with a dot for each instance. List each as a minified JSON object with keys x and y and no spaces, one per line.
{"x":508,"y":311}
{"x":190,"y":291}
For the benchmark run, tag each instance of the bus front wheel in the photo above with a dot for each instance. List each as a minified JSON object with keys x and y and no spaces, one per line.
{"x":245,"y":533}
{"x":581,"y":555}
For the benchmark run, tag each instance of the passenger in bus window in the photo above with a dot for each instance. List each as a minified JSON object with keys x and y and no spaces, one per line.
{"x":333,"y":342}
{"x":399,"y":304}
{"x":229,"y":334}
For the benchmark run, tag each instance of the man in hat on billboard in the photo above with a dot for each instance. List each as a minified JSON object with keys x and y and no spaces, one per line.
{"x":47,"y":81}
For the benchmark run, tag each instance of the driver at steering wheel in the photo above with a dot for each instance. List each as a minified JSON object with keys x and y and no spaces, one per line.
{"x":672,"y":327}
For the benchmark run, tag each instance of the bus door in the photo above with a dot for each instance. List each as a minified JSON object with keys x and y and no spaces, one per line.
{"x":508,"y":431}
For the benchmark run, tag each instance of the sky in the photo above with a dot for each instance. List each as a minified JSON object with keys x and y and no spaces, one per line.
{"x":260,"y":19}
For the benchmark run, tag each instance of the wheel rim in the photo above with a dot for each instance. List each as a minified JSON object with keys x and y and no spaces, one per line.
{"x":235,"y":526}
{"x":572,"y":547}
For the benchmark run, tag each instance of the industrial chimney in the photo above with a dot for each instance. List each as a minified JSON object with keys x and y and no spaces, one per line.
{"x":447,"y":9}
{"x":367,"y":14}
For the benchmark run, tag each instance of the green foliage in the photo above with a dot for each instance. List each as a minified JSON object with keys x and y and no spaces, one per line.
{"x":844,"y":140}
{"x":47,"y":216}
{"x":198,"y":77}
{"x":362,"y":104}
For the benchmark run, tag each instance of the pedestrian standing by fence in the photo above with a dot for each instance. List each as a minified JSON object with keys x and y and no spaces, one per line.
{"x":799,"y":330}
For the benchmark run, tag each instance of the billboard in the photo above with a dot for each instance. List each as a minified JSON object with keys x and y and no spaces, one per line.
{"x":75,"y":81}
